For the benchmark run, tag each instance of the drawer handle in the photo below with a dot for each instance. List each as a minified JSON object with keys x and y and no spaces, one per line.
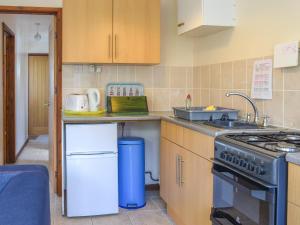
{"x":180,"y":25}
{"x":181,"y":171}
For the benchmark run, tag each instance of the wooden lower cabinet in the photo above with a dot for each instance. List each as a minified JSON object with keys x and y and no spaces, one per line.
{"x":293,"y":214}
{"x":186,"y":184}
{"x":293,"y":195}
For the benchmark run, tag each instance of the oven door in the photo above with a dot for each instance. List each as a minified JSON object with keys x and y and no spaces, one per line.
{"x":239,"y":200}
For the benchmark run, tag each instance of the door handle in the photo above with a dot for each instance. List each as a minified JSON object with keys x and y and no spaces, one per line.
{"x":116,"y":51}
{"x":177,"y":170}
{"x":181,"y":180}
{"x":109,"y":46}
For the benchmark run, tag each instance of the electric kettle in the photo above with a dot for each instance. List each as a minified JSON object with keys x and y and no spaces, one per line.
{"x":94,"y":99}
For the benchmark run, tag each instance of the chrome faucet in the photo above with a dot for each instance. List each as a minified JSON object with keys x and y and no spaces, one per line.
{"x":249,"y":100}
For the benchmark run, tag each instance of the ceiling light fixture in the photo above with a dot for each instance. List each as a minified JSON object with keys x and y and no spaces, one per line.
{"x":37,"y":36}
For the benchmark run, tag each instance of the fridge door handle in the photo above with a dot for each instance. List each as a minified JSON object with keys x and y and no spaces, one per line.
{"x":91,"y":153}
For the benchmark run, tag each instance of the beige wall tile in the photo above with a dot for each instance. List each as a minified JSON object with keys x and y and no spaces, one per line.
{"x":205,"y":77}
{"x":197,"y":77}
{"x":215,"y":97}
{"x":149,"y":94}
{"x":240,"y":104}
{"x":108,"y":75}
{"x":196,"y":97}
{"x":226,"y":76}
{"x":178,"y":77}
{"x":215,"y":76}
{"x":239,"y":75}
{"x":177,"y":97}
{"x":189,"y":77}
{"x":126,"y":74}
{"x":205,"y":99}
{"x":292,"y":109}
{"x":292,"y":78}
{"x":144,"y":75}
{"x":278,"y":78}
{"x":68,"y":79}
{"x":161,"y":99}
{"x":161,"y":77}
{"x":225,"y":101}
{"x":274,"y":108}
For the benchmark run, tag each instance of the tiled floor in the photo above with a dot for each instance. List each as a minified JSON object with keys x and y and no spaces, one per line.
{"x":154,"y":213}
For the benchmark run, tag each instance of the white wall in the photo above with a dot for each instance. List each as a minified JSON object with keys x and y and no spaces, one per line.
{"x":25,"y":43}
{"x":261,"y":25}
{"x":37,"y":3}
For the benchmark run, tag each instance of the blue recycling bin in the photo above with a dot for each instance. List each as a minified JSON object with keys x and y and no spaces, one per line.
{"x":131,"y":172}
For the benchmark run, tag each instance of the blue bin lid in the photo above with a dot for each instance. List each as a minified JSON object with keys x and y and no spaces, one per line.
{"x":130,"y":141}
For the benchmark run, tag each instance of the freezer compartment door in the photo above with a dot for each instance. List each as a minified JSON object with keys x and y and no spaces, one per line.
{"x":91,"y":138}
{"x":92,"y":185}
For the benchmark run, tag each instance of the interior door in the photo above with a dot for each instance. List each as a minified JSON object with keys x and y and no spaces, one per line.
{"x":136,"y":28}
{"x":38,"y":94}
{"x":87,"y":29}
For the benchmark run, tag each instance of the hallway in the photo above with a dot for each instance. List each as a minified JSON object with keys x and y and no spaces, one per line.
{"x":36,"y":151}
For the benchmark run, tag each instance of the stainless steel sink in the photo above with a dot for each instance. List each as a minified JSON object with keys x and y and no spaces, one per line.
{"x":233,"y":124}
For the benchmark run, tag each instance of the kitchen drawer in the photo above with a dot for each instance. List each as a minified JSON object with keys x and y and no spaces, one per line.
{"x":200,"y":144}
{"x":172,"y":132}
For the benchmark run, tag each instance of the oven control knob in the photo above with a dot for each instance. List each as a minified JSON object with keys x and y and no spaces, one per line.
{"x":259,"y":170}
{"x":228,"y":157}
{"x":242,"y":163}
{"x":223,"y":155}
{"x":250,"y":167}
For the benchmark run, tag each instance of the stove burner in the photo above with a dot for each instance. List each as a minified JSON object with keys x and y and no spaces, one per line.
{"x":286,"y":147}
{"x":293,"y":137}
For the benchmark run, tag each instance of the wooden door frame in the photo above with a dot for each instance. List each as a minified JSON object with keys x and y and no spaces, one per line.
{"x":57,"y":12}
{"x":29,"y":55}
{"x":9,"y":109}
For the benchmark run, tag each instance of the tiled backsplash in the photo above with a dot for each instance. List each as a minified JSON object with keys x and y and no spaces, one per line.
{"x":213,"y":81}
{"x":166,"y":86}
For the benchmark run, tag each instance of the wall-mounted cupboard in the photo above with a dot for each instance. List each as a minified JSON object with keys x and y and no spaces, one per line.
{"x":203,"y":17}
{"x":111,"y":31}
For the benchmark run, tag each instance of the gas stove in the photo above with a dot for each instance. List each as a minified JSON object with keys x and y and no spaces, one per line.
{"x":275,"y":142}
{"x":259,"y":155}
{"x":253,"y":165}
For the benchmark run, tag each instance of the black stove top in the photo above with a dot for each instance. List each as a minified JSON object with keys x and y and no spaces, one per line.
{"x":275,"y":142}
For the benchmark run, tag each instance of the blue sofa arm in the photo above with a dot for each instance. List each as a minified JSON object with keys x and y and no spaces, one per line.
{"x":24,"y":198}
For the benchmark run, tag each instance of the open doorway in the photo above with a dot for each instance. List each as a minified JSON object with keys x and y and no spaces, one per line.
{"x":52,"y":105}
{"x":8,"y":58}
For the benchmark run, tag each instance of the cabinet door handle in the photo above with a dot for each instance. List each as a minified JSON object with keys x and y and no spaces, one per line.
{"x":177,"y":170}
{"x":181,"y":180}
{"x":109,"y":46}
{"x":116,"y":55}
{"x":180,"y":24}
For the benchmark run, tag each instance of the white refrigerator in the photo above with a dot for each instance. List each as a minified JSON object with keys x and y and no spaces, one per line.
{"x":91,"y":169}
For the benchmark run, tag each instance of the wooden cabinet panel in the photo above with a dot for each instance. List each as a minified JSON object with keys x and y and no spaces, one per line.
{"x":197,"y":176}
{"x":164,"y":169}
{"x":87,"y":31}
{"x":136,"y":31}
{"x":175,"y":133}
{"x":293,"y":214}
{"x":294,"y":184}
{"x":163,"y":129}
{"x":200,"y":144}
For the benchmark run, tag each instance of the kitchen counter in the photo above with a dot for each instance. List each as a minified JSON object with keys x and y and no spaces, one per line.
{"x":293,"y":158}
{"x":157,"y":116}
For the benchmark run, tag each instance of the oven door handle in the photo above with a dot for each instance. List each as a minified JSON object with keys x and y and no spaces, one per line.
{"x":218,"y":214}
{"x":270,"y":186}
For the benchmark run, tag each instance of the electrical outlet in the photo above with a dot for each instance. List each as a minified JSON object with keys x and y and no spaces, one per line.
{"x":98,"y":69}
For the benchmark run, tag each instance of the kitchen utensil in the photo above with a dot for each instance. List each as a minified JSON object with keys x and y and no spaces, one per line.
{"x":94,"y":99}
{"x":76,"y":103}
{"x":130,"y":104}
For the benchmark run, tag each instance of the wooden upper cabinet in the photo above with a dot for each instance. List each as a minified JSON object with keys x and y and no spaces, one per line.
{"x":87,"y":31}
{"x":111,"y":31}
{"x":136,"y":31}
